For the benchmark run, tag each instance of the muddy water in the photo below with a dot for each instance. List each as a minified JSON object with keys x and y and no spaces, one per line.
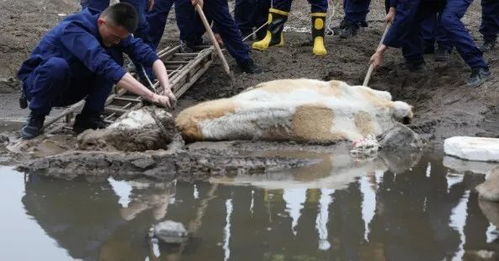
{"x":429,"y":212}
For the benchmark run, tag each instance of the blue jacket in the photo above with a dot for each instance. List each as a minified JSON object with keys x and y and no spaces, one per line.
{"x":76,"y":39}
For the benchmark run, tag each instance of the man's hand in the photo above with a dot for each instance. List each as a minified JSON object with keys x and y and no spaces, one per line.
{"x":150,"y":4}
{"x":197,"y":2}
{"x":162,"y":100}
{"x":391,"y":15}
{"x":219,"y":39}
{"x":168,"y":92}
{"x":377,"y":58}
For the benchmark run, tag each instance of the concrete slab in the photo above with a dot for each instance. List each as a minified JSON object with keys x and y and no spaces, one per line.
{"x":473,"y":148}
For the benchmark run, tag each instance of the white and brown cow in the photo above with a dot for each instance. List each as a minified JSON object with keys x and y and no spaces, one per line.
{"x":296,"y":110}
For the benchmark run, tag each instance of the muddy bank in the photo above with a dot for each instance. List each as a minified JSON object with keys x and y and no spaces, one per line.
{"x":443,"y":105}
{"x":203,"y":160}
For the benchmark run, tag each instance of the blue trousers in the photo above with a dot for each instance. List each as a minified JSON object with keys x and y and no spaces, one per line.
{"x":251,"y":13}
{"x":141,"y":7}
{"x":156,"y":18}
{"x":489,"y":27}
{"x":356,"y":11}
{"x":54,"y":83}
{"x":450,"y":20}
{"x":316,"y":6}
{"x":432,"y":31}
{"x":192,"y":29}
{"x":458,"y":35}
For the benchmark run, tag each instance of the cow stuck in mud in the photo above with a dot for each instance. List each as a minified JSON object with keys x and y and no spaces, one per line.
{"x":302,"y":110}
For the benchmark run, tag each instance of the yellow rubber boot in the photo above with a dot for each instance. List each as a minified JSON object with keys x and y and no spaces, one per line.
{"x":318,"y":29}
{"x":275,"y":25}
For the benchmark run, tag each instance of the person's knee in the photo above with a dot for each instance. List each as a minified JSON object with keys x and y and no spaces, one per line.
{"x":58,"y":68}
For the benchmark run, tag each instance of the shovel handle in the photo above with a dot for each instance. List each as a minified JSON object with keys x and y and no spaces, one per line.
{"x":213,"y":39}
{"x":371,"y":67}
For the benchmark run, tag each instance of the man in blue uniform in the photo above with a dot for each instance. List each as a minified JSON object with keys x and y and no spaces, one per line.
{"x":405,"y":33}
{"x":278,"y":15}
{"x":192,"y":29}
{"x":490,"y":24}
{"x":355,"y":17}
{"x":81,"y":57}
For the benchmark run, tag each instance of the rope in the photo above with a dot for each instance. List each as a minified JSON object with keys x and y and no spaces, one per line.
{"x":331,"y":13}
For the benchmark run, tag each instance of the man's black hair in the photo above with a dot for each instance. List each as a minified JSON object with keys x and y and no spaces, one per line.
{"x":122,"y":14}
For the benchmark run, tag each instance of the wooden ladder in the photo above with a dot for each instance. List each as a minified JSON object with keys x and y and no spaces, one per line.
{"x":184,"y":69}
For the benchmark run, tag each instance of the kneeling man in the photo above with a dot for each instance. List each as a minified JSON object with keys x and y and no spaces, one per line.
{"x":82,"y":57}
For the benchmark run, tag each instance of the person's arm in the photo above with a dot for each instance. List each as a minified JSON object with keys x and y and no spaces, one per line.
{"x":377,"y":58}
{"x":88,"y":50}
{"x":159,"y":70}
{"x":129,"y":83}
{"x":403,"y":19}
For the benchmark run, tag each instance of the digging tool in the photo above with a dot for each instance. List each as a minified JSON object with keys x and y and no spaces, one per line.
{"x":371,"y":67}
{"x":213,"y":39}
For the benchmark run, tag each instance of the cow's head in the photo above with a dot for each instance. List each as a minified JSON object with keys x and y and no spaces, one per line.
{"x":402,"y":112}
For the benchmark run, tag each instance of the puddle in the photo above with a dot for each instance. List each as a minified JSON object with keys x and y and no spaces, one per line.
{"x":341,"y":210}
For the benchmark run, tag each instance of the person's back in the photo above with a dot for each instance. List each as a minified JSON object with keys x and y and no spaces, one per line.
{"x":51,"y":44}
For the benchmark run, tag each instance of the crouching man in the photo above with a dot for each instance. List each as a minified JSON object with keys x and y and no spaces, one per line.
{"x":82,"y":57}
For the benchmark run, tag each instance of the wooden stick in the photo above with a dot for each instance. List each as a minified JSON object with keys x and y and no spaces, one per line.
{"x":213,"y":39}
{"x":371,"y":67}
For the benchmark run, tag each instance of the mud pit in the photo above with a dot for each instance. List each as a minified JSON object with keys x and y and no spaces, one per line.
{"x":443,"y":105}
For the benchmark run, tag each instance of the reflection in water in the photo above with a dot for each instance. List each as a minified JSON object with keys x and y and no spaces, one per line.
{"x":323,"y":218}
{"x":452,"y":179}
{"x":294,"y":198}
{"x":368,"y":203}
{"x":428,"y":170}
{"x":365,"y":213}
{"x":228,"y":209}
{"x":458,"y":221}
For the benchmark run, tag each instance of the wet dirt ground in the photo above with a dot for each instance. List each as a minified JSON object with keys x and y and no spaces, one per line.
{"x":443,"y":105}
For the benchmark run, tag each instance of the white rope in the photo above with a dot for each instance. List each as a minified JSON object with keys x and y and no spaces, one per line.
{"x":331,"y":13}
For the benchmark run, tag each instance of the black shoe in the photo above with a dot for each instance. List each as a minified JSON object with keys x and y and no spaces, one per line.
{"x":478,"y":76}
{"x":188,"y":47}
{"x":413,"y":67}
{"x":33,"y":126}
{"x":88,"y":121}
{"x":442,"y":55}
{"x":349,"y":30}
{"x":487,"y":46}
{"x":249,"y":67}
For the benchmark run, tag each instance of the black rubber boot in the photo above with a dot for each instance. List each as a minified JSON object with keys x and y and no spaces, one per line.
{"x":274,"y":36}
{"x":33,"y":126}
{"x":249,"y":67}
{"x":85,"y":121}
{"x":349,"y":30}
